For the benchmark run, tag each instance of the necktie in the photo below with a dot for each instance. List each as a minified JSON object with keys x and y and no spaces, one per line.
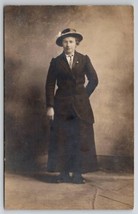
{"x":70,"y":61}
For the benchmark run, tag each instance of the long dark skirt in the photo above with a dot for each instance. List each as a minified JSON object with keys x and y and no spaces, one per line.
{"x":71,"y":146}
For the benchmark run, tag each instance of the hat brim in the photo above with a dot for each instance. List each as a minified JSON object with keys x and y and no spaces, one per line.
{"x":60,"y":38}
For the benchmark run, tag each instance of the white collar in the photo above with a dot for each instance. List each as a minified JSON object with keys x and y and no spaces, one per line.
{"x":68,"y":55}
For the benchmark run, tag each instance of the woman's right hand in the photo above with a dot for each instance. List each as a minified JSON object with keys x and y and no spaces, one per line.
{"x":50,"y":113}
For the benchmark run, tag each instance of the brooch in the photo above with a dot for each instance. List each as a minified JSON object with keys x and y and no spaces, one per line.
{"x":77,"y":62}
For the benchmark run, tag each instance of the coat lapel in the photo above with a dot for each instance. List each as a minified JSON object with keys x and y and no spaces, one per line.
{"x":65,"y":65}
{"x":75,"y":60}
{"x":64,"y":62}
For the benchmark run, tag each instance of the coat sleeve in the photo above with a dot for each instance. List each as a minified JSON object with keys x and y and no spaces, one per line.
{"x":91,"y":76}
{"x":50,"y":84}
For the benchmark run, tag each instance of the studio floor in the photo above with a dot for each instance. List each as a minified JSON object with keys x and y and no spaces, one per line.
{"x":102,"y":190}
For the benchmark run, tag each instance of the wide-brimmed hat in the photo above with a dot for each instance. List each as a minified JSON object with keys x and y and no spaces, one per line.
{"x":66,"y":33}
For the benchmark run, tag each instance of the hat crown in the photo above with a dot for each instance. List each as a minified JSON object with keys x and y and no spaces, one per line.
{"x":68,"y":30}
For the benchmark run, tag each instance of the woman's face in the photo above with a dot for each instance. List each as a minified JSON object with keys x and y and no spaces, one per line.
{"x":69,"y":45}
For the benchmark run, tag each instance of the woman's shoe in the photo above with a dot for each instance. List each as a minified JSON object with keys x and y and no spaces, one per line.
{"x":64,"y":178}
{"x":78,"y":179}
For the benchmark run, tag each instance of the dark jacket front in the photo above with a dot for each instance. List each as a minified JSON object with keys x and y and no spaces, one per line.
{"x":71,"y":94}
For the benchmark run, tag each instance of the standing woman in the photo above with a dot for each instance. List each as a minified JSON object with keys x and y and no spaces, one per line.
{"x":72,"y":145}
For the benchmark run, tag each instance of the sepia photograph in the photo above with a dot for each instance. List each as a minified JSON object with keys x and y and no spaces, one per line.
{"x":68,"y":107}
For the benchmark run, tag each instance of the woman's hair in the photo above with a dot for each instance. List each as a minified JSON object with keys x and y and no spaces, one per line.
{"x":77,"y":41}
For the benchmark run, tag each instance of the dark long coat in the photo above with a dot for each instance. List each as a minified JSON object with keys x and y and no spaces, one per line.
{"x":73,"y":120}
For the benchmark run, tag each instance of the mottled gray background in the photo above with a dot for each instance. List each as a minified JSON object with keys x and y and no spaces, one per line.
{"x":30,"y":33}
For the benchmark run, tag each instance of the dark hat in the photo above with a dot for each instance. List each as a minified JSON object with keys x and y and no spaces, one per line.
{"x":66,"y":33}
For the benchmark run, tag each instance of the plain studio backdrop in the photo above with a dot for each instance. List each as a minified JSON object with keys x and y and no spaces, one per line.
{"x":30,"y":34}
